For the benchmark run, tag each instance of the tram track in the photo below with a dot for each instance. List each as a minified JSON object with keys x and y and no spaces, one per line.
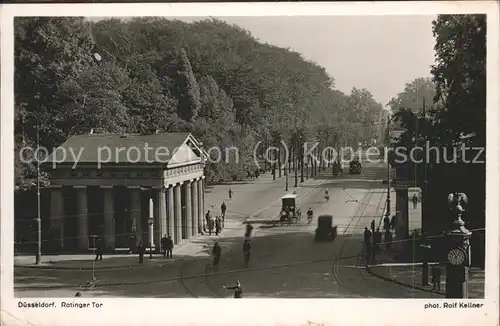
{"x":357,"y":217}
{"x":206,"y":276}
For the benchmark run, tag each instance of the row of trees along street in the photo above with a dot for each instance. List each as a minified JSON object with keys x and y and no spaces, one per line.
{"x":208,"y":77}
{"x":455,"y":114}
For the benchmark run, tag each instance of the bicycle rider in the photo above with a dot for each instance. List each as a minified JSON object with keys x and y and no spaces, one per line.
{"x":327,"y":195}
{"x":247,"y":248}
{"x":216,"y":253}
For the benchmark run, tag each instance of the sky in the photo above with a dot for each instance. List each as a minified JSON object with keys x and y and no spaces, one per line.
{"x":379,"y":53}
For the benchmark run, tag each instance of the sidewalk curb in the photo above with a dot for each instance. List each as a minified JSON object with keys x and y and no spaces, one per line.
{"x":369,"y":271}
{"x":111,"y":268}
{"x":54,"y":267}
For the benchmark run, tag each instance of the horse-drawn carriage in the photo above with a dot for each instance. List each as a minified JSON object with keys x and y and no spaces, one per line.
{"x":290,"y":210}
{"x":355,"y":167}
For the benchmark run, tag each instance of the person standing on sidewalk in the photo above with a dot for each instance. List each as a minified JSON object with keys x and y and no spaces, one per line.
{"x":99,"y":249}
{"x":223,"y":209}
{"x":436,"y":277}
{"x":140,"y":251}
{"x":169,"y":246}
{"x":164,"y":246}
{"x":230,"y":192}
{"x":217,"y":225}
{"x":207,"y":221}
{"x":414,"y":199}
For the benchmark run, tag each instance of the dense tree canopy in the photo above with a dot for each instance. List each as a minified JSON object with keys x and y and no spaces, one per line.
{"x":456,"y":117}
{"x":210,"y":78}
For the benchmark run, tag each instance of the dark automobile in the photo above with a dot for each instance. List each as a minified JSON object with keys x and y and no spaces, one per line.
{"x":325,"y":230}
{"x":355,"y":167}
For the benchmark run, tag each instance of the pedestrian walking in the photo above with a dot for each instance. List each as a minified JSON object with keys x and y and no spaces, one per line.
{"x":377,"y":238}
{"x":169,"y":246}
{"x":387,"y":223}
{"x":388,"y":239}
{"x":372,"y":226}
{"x":414,"y":199}
{"x":99,"y":249}
{"x":140,"y":251}
{"x":210,"y":225}
{"x":238,"y":290}
{"x":216,"y":253}
{"x":436,"y":277}
{"x":164,"y":246}
{"x":230,"y":192}
{"x":393,"y":222}
{"x":218,"y":225}
{"x":248,"y":231}
{"x":247,"y":248}
{"x":367,"y":236}
{"x":223,"y":209}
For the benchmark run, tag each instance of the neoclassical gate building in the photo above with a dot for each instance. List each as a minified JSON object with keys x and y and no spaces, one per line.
{"x":109,"y":185}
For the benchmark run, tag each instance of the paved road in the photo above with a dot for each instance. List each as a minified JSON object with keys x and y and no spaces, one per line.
{"x":286,"y":262}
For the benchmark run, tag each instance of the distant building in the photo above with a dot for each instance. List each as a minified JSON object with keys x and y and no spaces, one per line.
{"x":111,"y":198}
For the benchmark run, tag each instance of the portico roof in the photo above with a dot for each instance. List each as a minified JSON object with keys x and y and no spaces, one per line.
{"x":123,"y":149}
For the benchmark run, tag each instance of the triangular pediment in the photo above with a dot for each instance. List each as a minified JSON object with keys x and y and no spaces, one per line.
{"x":184,"y":154}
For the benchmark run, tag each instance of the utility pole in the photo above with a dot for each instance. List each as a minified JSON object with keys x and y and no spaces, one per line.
{"x":388,"y":211}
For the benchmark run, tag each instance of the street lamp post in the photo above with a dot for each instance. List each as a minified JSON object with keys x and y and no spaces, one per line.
{"x":150,"y":223}
{"x":388,"y":210}
{"x":286,"y":179}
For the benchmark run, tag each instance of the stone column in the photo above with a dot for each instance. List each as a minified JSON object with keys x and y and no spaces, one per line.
{"x":178,"y":214}
{"x":109,"y":218}
{"x":82,"y":217}
{"x":401,"y":213}
{"x":201,"y":211}
{"x":136,"y":213}
{"x":194,"y":205}
{"x":161,"y":218}
{"x":189,"y":216}
{"x":57,"y":214}
{"x":171,"y":212}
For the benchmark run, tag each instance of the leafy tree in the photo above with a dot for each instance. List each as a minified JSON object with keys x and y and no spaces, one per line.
{"x":414,"y":94}
{"x":187,"y":89}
